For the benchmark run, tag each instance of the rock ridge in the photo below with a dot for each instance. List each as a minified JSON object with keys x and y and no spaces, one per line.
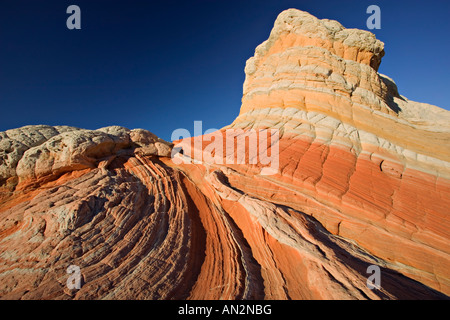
{"x":363,"y":180}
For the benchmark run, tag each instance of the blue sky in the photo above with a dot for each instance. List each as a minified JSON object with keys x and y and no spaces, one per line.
{"x":161,"y":65}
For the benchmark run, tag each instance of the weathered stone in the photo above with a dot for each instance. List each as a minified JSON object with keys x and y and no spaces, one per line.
{"x":363,"y":179}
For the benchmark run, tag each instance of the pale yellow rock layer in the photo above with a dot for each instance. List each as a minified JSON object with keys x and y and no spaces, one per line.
{"x":318,"y":66}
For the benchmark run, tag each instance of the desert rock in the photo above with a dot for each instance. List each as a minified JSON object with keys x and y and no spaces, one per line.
{"x":363,"y":179}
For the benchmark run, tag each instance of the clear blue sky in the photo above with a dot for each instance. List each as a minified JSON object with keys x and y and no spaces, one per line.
{"x":160,"y":65}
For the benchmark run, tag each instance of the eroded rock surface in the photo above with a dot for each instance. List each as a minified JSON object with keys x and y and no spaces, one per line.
{"x":363,"y":179}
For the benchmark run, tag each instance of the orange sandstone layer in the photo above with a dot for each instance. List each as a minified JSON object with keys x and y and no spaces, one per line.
{"x":367,"y":163}
{"x":361,"y":178}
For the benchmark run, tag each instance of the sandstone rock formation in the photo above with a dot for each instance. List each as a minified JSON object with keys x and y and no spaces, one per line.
{"x":363,"y":179}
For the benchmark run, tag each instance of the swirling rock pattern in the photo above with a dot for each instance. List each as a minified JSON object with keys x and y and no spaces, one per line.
{"x":363,"y":179}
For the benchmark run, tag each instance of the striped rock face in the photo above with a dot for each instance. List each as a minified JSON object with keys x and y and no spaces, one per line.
{"x":357,"y":175}
{"x":377,"y":162}
{"x":370,"y":165}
